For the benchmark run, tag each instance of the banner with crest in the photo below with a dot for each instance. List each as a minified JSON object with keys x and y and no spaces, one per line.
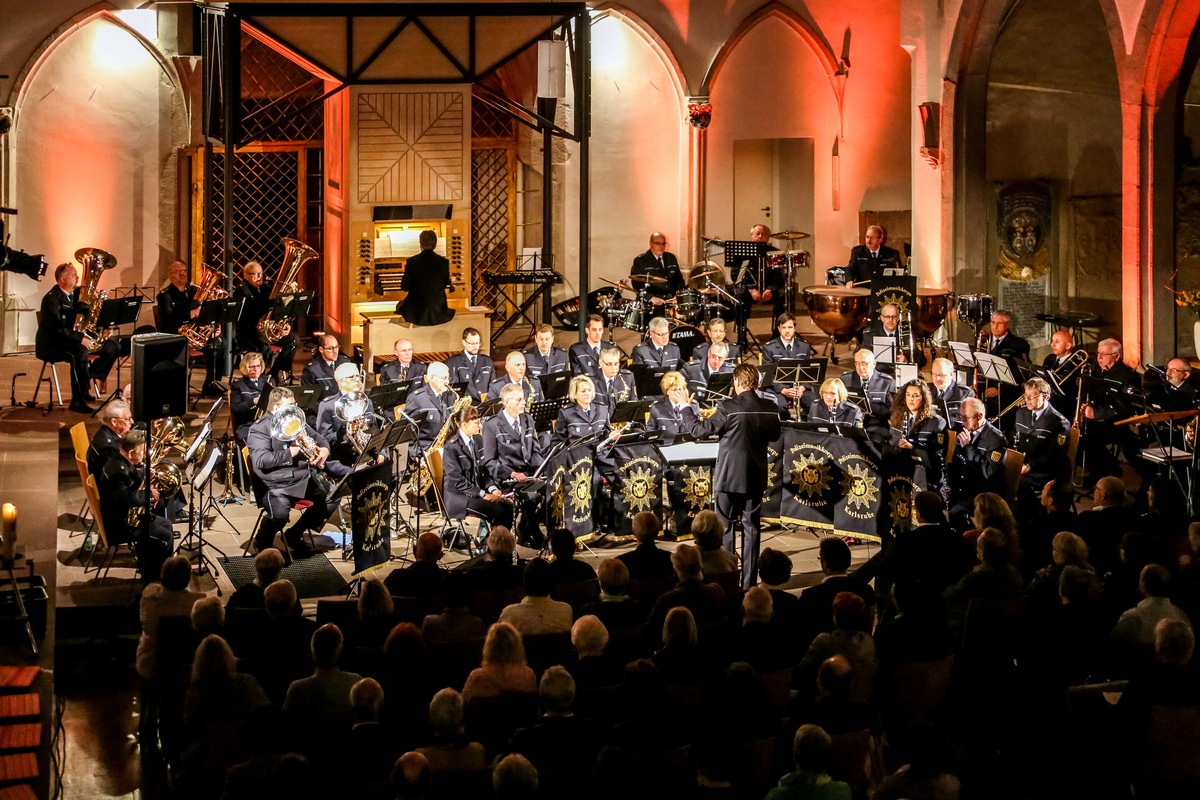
{"x":772,"y":494}
{"x":829,"y":483}
{"x":690,"y":487}
{"x":570,"y":489}
{"x":371,"y":534}
{"x":637,"y":485}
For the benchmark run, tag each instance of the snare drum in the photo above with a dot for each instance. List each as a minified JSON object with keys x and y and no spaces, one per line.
{"x":975,"y":309}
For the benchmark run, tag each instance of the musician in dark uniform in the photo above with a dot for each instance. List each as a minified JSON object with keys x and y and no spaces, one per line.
{"x":58,"y":341}
{"x":1101,"y":410}
{"x":256,"y":303}
{"x":405,"y":367}
{"x":947,"y":393}
{"x":787,"y":346}
{"x":319,"y":371}
{"x":177,"y":300}
{"x":514,"y":374}
{"x":470,"y":366}
{"x":888,"y":327}
{"x":1040,"y":432}
{"x":716,"y":333}
{"x":659,"y":351}
{"x":585,"y":355}
{"x":432,"y":396}
{"x":751,"y":273}
{"x":714,"y":363}
{"x":746,"y":424}
{"x":121,"y":491}
{"x":245,"y":392}
{"x":584,"y":415}
{"x":426,"y":278}
{"x":512,"y":451}
{"x":1177,"y":392}
{"x":676,"y":412}
{"x":1060,"y":362}
{"x":545,"y":357}
{"x":977,"y":465}
{"x":878,"y":388}
{"x":613,"y":384}
{"x":658,"y":263}
{"x":342,"y":452}
{"x":867,"y":261}
{"x":915,"y":425}
{"x":289,"y":476}
{"x":466,"y":486}
{"x":116,"y":419}
{"x":1003,"y":342}
{"x":831,"y":406}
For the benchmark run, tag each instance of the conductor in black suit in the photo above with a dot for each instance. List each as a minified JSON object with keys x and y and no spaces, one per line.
{"x":58,"y":341}
{"x":426,"y":278}
{"x":746,"y":424}
{"x":868,"y":260}
{"x":658,"y":262}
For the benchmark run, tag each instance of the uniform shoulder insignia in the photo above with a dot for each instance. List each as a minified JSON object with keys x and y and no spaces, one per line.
{"x":941,"y":438}
{"x":1062,"y":438}
{"x":995,"y":455}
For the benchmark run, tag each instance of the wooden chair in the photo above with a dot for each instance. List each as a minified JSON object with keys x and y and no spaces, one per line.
{"x":457,"y":527}
{"x":916,"y":691}
{"x":110,"y":550}
{"x":84,"y":515}
{"x":341,"y":612}
{"x":1013,"y":461}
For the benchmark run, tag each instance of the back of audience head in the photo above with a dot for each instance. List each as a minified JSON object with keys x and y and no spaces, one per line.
{"x":708,"y":530}
{"x":687,"y":564}
{"x":774,"y":567}
{"x":412,"y":777}
{"x":404,"y":645}
{"x":446,"y":713}
{"x":457,"y":590}
{"x":374,"y":600}
{"x":1069,"y":548}
{"x":834,"y":555}
{"x":679,"y":629}
{"x":279,"y":598}
{"x":929,"y":507}
{"x":646,"y":527}
{"x":614,"y":577}
{"x":428,"y":547}
{"x":1110,"y":490}
{"x":557,"y":690}
{"x":1076,"y":585}
{"x":757,"y":605}
{"x":1174,"y":641}
{"x":992,"y":547}
{"x":1135,"y":550}
{"x":850,"y":612}
{"x":1058,"y":495}
{"x":366,"y":700}
{"x":589,"y":636}
{"x":267,"y":566}
{"x":812,"y":750}
{"x":835,"y":677}
{"x":1154,"y":581}
{"x":501,"y":543}
{"x":562,"y":544}
{"x":539,"y":578}
{"x":503,"y":645}
{"x":176,"y":573}
{"x":514,"y":778}
{"x":327,"y":646}
{"x":992,"y":511}
{"x":213,"y":661}
{"x":208,"y":615}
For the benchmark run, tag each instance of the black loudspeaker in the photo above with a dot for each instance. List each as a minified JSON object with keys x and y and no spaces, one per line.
{"x":160,"y":370}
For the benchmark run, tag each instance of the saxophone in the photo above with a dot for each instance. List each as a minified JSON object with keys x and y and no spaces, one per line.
{"x":295,"y":255}
{"x":95,"y":262}
{"x":424,"y":476}
{"x":210,"y":289}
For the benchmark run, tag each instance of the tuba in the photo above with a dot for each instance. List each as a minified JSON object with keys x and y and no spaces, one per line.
{"x":94,"y":262}
{"x":288,"y":426}
{"x":210,"y":289}
{"x":295,"y":255}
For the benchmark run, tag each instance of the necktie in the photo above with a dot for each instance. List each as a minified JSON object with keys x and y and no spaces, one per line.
{"x":661,"y":265}
{"x":517,"y":426}
{"x":610,"y":387}
{"x":596,"y":352}
{"x":787,"y":348}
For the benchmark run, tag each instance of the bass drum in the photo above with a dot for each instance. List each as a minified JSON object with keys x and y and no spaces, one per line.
{"x":687,"y":337}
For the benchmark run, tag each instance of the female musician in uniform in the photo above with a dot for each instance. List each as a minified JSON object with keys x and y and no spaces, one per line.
{"x":915,"y":424}
{"x":831,"y":406}
{"x":581,"y":417}
{"x":466,"y":486}
{"x":676,"y":412}
{"x":244,"y":393}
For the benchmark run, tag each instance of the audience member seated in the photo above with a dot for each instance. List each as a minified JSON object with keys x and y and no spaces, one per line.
{"x":1133,"y":636}
{"x":921,"y":754}
{"x":561,"y":746}
{"x":591,"y":667}
{"x":651,"y":727}
{"x":816,"y":602}
{"x":1167,"y":509}
{"x":740,"y":709}
{"x":371,"y":749}
{"x":411,"y":777}
{"x":455,"y":623}
{"x":267,"y":566}
{"x":918,"y":630}
{"x":930,"y":551}
{"x":1170,"y":680}
{"x":705,"y":601}
{"x":1186,"y":592}
{"x":450,"y":750}
{"x":992,"y":511}
{"x":375,"y":614}
{"x":318,"y":707}
{"x":499,"y":568}
{"x":208,"y":617}
{"x":565,"y":568}
{"x":168,"y":597}
{"x":758,"y":641}
{"x":774,"y":571}
{"x":504,"y":670}
{"x":267,"y":768}
{"x":409,"y":681}
{"x":850,"y":637}
{"x":615,"y":608}
{"x":1067,"y":550}
{"x":679,"y":658}
{"x":834,"y":708}
{"x":1037,"y":534}
{"x":424,"y":577}
{"x":1103,"y":526}
{"x":1068,"y":641}
{"x":1122,"y":582}
{"x":708,"y":531}
{"x":994,"y":578}
{"x":514,"y":779}
{"x":646,"y":561}
{"x":537,"y":613}
{"x":287,"y":636}
{"x":813,"y":757}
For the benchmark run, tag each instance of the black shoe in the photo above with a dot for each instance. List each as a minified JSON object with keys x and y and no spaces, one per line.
{"x":81,"y":407}
{"x":301,"y":550}
{"x":184,"y":516}
{"x":460,"y":543}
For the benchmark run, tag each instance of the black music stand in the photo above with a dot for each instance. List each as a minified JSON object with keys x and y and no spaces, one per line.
{"x":796,"y":371}
{"x":114,"y":313}
{"x":632,"y":412}
{"x":748,"y":256}
{"x":719,"y":387}
{"x":555,"y":385}
{"x":490,"y":408}
{"x":648,"y":379}
{"x":195,"y":535}
{"x":308,"y":399}
{"x":389,"y":395}
{"x":545,"y":412}
{"x":291,"y":305}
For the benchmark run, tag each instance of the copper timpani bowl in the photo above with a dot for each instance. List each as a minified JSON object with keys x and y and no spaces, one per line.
{"x":839,"y":311}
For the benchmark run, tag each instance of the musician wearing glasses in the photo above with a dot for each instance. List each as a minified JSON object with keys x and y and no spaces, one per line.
{"x":514,"y":375}
{"x":466,"y":486}
{"x":1103,"y":409}
{"x":246,"y":391}
{"x":715,"y":363}
{"x":512,"y":451}
{"x":289,"y":475}
{"x":584,"y":416}
{"x":613,"y":384}
{"x":256,"y":302}
{"x":1003,"y":342}
{"x":831,"y":406}
{"x":122,"y":490}
{"x":1177,"y":392}
{"x":877,"y":388}
{"x":545,"y":357}
{"x":868,"y":260}
{"x":470,"y":366}
{"x":434,"y":399}
{"x":658,"y":263}
{"x":659,"y":351}
{"x":888,"y":327}
{"x":676,"y":412}
{"x":915,"y":425}
{"x":405,"y":367}
{"x":116,"y":419}
{"x":333,"y":425}
{"x":715,"y":328}
{"x":320,"y":371}
{"x":977,"y":465}
{"x":947,"y":393}
{"x":1040,"y":433}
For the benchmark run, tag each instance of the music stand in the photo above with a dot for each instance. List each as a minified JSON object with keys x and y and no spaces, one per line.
{"x":859,"y":398}
{"x":631,"y":411}
{"x":545,"y":412}
{"x":961,"y":354}
{"x":884,"y":348}
{"x":116,"y":312}
{"x":796,"y":371}
{"x":390,"y":395}
{"x":490,"y":408}
{"x":555,"y":385}
{"x":906,"y":373}
{"x":201,"y":479}
{"x":995,"y":368}
{"x":766,"y":374}
{"x":308,"y":399}
{"x":648,"y":379}
{"x":718,"y":387}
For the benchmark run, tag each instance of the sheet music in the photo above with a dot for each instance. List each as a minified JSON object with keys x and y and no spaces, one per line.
{"x":403,"y":244}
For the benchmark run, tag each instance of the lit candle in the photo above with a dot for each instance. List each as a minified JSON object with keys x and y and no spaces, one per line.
{"x":8,"y":530}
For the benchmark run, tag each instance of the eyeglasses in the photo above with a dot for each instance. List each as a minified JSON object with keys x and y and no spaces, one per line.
{"x":330,"y":347}
{"x":890,"y":316}
{"x":663,"y":243}
{"x":1174,"y":369}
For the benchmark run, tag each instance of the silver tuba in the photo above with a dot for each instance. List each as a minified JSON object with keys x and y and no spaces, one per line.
{"x":295,"y":255}
{"x":352,"y":408}
{"x":288,"y":426}
{"x":94,"y":262}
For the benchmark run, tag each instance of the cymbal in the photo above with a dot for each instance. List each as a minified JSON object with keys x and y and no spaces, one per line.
{"x":790,"y":235}
{"x":717,"y":240}
{"x":699,"y":279}
{"x":645,"y":278}
{"x":617,"y":284}
{"x":1160,"y":416}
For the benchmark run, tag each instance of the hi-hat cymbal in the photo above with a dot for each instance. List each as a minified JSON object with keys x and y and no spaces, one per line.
{"x":645,"y":278}
{"x":790,"y":235}
{"x":708,"y":273}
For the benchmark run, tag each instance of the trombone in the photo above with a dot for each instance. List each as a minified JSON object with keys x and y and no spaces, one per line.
{"x":1074,"y":363}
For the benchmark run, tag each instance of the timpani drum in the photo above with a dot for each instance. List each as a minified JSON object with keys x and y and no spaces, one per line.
{"x":933,"y":306}
{"x":975,"y":309}
{"x":839,"y":311}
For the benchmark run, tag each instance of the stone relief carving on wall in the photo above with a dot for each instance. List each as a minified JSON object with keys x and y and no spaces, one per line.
{"x":1023,"y":225}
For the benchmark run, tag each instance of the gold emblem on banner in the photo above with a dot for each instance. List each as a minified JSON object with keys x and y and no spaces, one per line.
{"x":581,"y":492}
{"x":697,"y":487}
{"x":557,"y":496}
{"x":638,"y":491}
{"x":772,"y":465}
{"x":900,"y":504}
{"x":371,"y":510}
{"x":901,"y":301}
{"x":859,"y":488}
{"x":810,"y":476}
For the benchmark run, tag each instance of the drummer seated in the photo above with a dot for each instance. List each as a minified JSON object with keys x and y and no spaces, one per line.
{"x":656,"y":271}
{"x":714,"y":363}
{"x":715,"y":328}
{"x":659,"y":351}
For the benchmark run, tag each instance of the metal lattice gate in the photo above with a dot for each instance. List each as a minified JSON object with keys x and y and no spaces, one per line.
{"x":491,"y":223}
{"x":266,"y":206}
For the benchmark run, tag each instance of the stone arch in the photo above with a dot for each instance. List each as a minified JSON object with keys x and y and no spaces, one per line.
{"x":650,"y":35}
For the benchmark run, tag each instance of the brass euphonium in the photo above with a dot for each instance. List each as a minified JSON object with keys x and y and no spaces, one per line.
{"x":287,"y":425}
{"x":295,"y":255}
{"x":94,"y":262}
{"x":351,"y":408}
{"x":210,"y":289}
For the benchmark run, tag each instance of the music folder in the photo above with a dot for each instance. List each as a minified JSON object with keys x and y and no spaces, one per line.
{"x":648,"y":379}
{"x":555,"y":385}
{"x":632,"y":411}
{"x":390,"y":395}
